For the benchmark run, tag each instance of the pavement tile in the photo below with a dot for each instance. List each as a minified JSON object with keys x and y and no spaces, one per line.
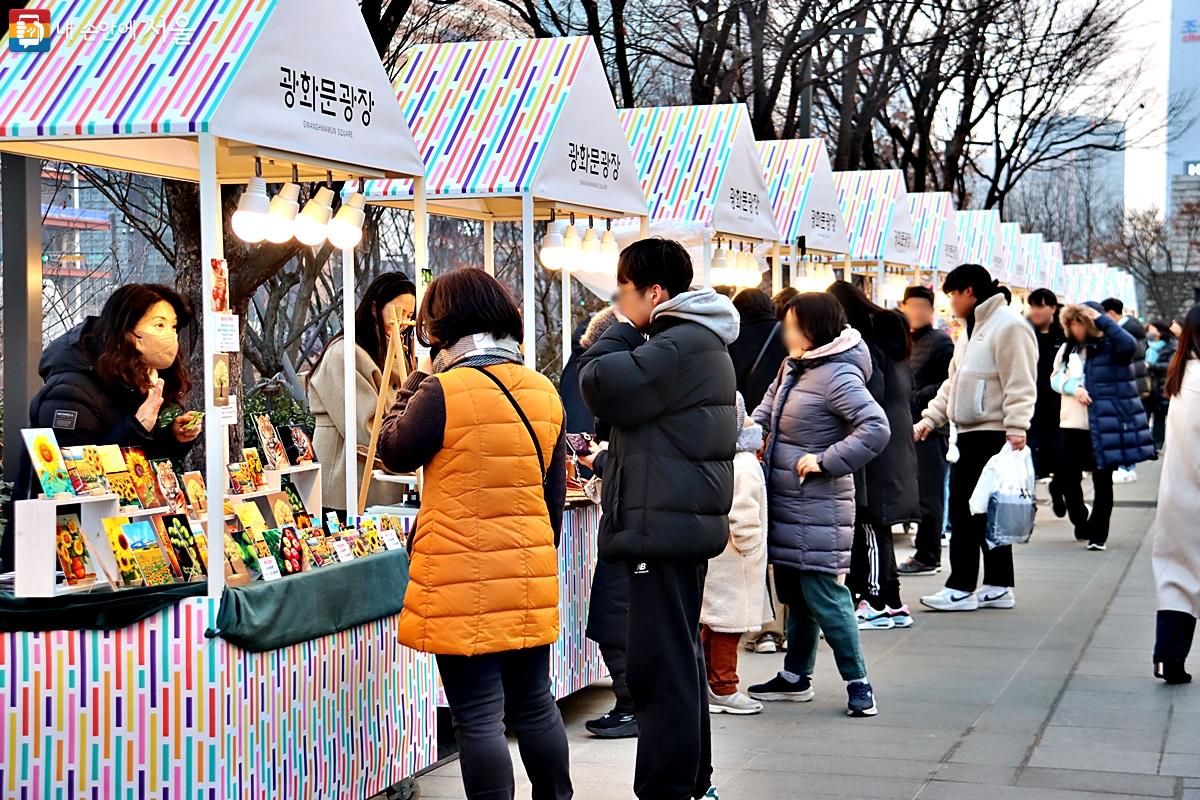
{"x":1183,"y":764}
{"x":1146,"y":785}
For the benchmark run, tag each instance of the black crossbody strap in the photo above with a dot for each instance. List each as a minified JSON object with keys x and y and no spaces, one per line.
{"x":763,"y":351}
{"x":537,"y":447}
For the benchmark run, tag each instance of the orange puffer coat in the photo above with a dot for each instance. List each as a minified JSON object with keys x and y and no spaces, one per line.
{"x":484,"y":570}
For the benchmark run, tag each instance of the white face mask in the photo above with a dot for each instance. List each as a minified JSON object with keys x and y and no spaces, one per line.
{"x":158,"y":348}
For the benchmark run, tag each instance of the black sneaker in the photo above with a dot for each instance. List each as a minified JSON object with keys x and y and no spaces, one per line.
{"x":914,"y":567}
{"x":861,"y":701}
{"x":780,"y":688}
{"x":613,"y":726}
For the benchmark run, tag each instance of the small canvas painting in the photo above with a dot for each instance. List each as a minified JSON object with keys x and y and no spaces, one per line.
{"x":193,"y":484}
{"x":182,"y":540}
{"x":281,"y":509}
{"x":143,"y":478}
{"x":72,"y":551}
{"x":122,"y":484}
{"x":272,"y":448}
{"x":254,"y":465}
{"x":127,"y":567}
{"x":151,"y":560}
{"x":297,"y":444}
{"x":85,"y":470}
{"x":47,"y":460}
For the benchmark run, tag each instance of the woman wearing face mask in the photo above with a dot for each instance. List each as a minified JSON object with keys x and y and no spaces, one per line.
{"x":390,"y":296}
{"x":113,"y":378}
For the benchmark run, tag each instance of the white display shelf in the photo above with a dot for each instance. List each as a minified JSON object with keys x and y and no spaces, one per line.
{"x":387,"y":477}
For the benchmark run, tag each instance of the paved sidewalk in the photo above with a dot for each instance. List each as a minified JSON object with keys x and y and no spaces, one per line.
{"x":1053,"y":700}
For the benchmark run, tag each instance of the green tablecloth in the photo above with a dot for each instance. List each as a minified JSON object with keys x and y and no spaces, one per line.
{"x":269,"y":615}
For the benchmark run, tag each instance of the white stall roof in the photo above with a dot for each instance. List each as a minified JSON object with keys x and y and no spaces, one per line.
{"x":803,"y":197}
{"x":875,"y":206}
{"x":128,"y":84}
{"x":979,"y":235}
{"x":1030,"y":250}
{"x":935,"y":230}
{"x":498,"y":120}
{"x":700,"y":164}
{"x":1010,"y":251}
{"x":1050,"y":264}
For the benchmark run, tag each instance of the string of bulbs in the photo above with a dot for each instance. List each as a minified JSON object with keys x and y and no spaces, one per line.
{"x":279,"y":219}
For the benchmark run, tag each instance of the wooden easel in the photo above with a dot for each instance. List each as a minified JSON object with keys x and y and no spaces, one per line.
{"x":395,"y":350}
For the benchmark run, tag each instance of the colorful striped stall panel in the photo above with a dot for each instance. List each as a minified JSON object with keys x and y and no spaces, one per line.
{"x":575,"y":661}
{"x":788,"y":167}
{"x":1010,"y":245}
{"x":117,"y":63}
{"x":1031,"y":255}
{"x":979,"y":233}
{"x":681,"y":154}
{"x":867,"y":198}
{"x":482,"y":112}
{"x":929,"y":211}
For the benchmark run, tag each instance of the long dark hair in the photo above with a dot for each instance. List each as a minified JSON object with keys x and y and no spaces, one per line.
{"x":885,"y":329}
{"x":370,"y":331}
{"x":465,"y":302}
{"x":1189,"y":348}
{"x":110,"y":346}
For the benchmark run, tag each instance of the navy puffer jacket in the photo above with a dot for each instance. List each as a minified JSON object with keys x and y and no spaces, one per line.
{"x":1116,"y":418}
{"x":819,"y":404}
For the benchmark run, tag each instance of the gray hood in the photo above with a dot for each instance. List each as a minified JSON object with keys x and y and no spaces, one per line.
{"x":704,"y":307}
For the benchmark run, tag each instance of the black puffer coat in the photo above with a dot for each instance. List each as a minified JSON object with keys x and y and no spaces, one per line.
{"x":82,"y":409}
{"x":1141,"y":372}
{"x":889,"y":494}
{"x":669,"y":475}
{"x":759,"y":334}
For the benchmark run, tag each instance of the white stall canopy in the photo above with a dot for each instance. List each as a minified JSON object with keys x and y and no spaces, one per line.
{"x":1010,"y":251}
{"x":803,"y":196}
{"x":979,"y":240}
{"x":1030,"y":254}
{"x":935,"y":230}
{"x":875,"y":206}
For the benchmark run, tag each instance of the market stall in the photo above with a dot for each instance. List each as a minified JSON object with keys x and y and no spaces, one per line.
{"x":1029,"y":248}
{"x":935,"y":233}
{"x":1010,"y":248}
{"x":114,"y":688}
{"x":520,"y":131}
{"x":980,"y":240}
{"x":1049,"y":266}
{"x":805,"y":204}
{"x":882,"y":246}
{"x":702,"y":177}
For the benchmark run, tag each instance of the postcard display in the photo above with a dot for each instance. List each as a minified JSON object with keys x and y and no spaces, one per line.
{"x":158,"y":709}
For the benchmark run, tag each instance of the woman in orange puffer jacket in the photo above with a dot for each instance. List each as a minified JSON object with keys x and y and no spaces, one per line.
{"x":483,"y":590}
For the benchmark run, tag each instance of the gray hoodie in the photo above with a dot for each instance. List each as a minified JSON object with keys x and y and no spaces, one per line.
{"x":705,"y":307}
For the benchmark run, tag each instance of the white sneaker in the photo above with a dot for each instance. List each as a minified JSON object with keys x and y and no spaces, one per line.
{"x":736,"y":703}
{"x":1125,"y":475}
{"x":996,"y":597}
{"x":871,"y":620}
{"x":951,"y":600}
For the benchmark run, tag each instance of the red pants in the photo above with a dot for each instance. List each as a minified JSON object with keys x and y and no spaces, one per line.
{"x":720,"y":657}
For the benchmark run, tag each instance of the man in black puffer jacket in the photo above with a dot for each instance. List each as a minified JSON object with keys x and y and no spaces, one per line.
{"x":1114,"y":309}
{"x":669,"y":483}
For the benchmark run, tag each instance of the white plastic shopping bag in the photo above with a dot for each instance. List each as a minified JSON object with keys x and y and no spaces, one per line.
{"x":1006,"y":493}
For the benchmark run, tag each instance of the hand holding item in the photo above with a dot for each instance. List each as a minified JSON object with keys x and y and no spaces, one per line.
{"x":807,"y":464}
{"x":147,"y":414}
{"x":187,"y":427}
{"x":1081,"y":394}
{"x":587,"y":459}
{"x":921,"y":431}
{"x":1016,"y":441}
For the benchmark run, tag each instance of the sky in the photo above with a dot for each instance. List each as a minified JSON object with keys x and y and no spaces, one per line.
{"x":1145,"y":164}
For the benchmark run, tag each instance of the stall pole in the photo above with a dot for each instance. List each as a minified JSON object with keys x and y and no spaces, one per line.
{"x":22,"y":186}
{"x":420,"y":236}
{"x":644,"y":230}
{"x":776,"y":269}
{"x":529,"y":331}
{"x":706,"y":258}
{"x":350,"y":376}
{"x":793,"y":264}
{"x":566,"y":317}
{"x":877,"y":289}
{"x":489,"y":247}
{"x":216,"y":430}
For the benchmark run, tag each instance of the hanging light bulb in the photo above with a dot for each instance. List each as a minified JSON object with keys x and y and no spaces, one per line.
{"x":610,"y":251}
{"x":282,"y":216}
{"x":551,"y":252}
{"x":572,"y":246}
{"x":345,"y":229}
{"x":312,"y":224}
{"x":718,"y":272}
{"x":250,"y":220}
{"x":589,"y":250}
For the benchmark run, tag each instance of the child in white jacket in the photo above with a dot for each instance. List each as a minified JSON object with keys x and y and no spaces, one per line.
{"x":735,"y":589}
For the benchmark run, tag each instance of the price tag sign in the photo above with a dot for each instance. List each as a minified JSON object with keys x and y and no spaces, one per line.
{"x":390,"y":540}
{"x":342,"y":551}
{"x":270,"y":569}
{"x":229,"y":412}
{"x":228,"y":340}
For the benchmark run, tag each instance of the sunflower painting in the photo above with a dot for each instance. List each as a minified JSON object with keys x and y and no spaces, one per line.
{"x":143,"y":478}
{"x":148,"y":553}
{"x":72,"y":552}
{"x":47,"y":461}
{"x":126,"y":563}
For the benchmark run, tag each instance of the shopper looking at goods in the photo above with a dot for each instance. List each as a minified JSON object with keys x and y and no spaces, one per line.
{"x":118,"y":379}
{"x":990,"y":396}
{"x":932,"y":350}
{"x":758,"y":351}
{"x":608,"y":606}
{"x":781,"y":300}
{"x":886,"y":489}
{"x":734,"y":592}
{"x":669,"y":477}
{"x":391,"y":296}
{"x":1160,"y":349}
{"x":483,"y":590}
{"x":822,"y":426}
{"x":1044,"y":439}
{"x":1103,"y":422}
{"x":1176,"y":553}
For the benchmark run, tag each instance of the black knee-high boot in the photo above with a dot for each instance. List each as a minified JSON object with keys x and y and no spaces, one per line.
{"x":1173,"y":642}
